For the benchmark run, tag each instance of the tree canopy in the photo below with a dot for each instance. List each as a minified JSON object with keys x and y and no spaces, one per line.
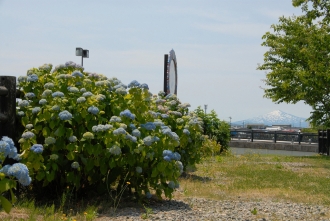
{"x":298,"y":61}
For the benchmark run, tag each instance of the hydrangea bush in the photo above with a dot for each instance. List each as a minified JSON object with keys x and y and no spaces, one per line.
{"x":10,"y":173}
{"x":86,"y":130}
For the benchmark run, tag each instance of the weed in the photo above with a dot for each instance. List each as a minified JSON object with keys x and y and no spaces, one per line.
{"x":148,"y":212}
{"x":254,"y":211}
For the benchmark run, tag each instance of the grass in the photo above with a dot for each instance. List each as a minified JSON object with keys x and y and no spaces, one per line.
{"x":252,"y":177}
{"x":257,"y":177}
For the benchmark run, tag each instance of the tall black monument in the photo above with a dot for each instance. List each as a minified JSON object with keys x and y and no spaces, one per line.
{"x":170,"y":73}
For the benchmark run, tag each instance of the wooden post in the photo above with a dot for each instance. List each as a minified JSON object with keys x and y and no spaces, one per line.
{"x":165,"y":73}
{"x":7,"y":106}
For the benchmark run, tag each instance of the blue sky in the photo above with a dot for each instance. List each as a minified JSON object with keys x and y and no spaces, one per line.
{"x":217,"y":44}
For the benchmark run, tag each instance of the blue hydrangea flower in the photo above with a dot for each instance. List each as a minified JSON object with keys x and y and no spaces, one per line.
{"x":121,"y":90}
{"x":75,"y":165}
{"x":101,"y":128}
{"x":132,"y":126}
{"x":167,"y":158}
{"x":100,"y":97}
{"x":99,"y":83}
{"x":149,"y":126}
{"x":93,"y":110}
{"x":185,"y":131}
{"x":160,"y":101}
{"x":161,"y":93}
{"x":155,"y":139}
{"x":70,"y":64}
{"x":23,"y":103}
{"x":138,"y":169}
{"x":65,"y":115}
{"x":46,"y":93}
{"x":82,"y":90}
{"x":81,"y":100}
{"x":73,"y":90}
{"x":21,"y":113}
{"x":114,"y":119}
{"x":168,"y":155}
{"x":164,"y":116}
{"x":30,"y":95}
{"x":179,"y":121}
{"x":176,"y":113}
{"x":127,"y":113}
{"x":36,"y":110}
{"x":176,"y":156}
{"x":115,"y":150}
{"x":77,"y":74}
{"x":144,"y":86}
{"x":37,"y":148}
{"x":72,"y":139}
{"x":21,"y":79}
{"x":28,"y":135}
{"x":53,"y":157}
{"x":32,"y":78}
{"x":58,"y":94}
{"x":55,"y":108}
{"x":167,"y":131}
{"x":87,"y":94}
{"x":49,"y":85}
{"x":148,"y":195}
{"x":13,"y":150}
{"x":171,"y":185}
{"x":4,"y":148}
{"x":136,"y":133}
{"x":29,"y":126}
{"x":43,"y":102}
{"x":134,"y":83}
{"x":20,"y":172}
{"x":153,"y":114}
{"x":131,"y":138}
{"x":158,"y":123}
{"x":119,"y":131}
{"x":179,"y":165}
{"x":50,"y":140}
{"x":148,"y":140}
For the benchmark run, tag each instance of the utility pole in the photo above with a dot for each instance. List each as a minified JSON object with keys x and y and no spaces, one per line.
{"x":205,"y":107}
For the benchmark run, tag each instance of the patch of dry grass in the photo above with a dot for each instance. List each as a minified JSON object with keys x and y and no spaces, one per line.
{"x":257,"y":177}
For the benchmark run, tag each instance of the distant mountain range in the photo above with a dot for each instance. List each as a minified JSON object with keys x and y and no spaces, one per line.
{"x":276,"y":117}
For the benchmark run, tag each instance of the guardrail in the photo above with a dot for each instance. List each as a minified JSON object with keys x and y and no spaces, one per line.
{"x":275,"y":136}
{"x":320,"y":138}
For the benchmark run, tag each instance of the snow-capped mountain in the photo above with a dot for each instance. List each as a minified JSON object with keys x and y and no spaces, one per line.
{"x":276,"y":117}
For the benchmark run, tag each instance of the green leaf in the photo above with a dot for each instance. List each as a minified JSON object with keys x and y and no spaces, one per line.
{"x":50,"y":176}
{"x":5,"y":185}
{"x":40,"y":175}
{"x":5,"y":204}
{"x":70,"y":156}
{"x":45,"y":132}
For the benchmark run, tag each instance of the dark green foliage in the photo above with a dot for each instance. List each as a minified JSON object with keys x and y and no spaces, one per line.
{"x":214,"y":127}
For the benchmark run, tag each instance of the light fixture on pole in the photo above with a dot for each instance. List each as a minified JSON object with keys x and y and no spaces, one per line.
{"x":83,"y":53}
{"x":205,"y":107}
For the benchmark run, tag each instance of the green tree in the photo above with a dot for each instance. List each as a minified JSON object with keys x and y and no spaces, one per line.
{"x":214,"y":127}
{"x":298,"y":60}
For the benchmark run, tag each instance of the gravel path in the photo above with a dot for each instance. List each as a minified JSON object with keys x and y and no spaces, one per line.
{"x":191,"y":209}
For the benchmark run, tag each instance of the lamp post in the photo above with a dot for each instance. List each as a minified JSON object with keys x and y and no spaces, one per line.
{"x":205,"y":107}
{"x":230,"y":122}
{"x":83,"y":53}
